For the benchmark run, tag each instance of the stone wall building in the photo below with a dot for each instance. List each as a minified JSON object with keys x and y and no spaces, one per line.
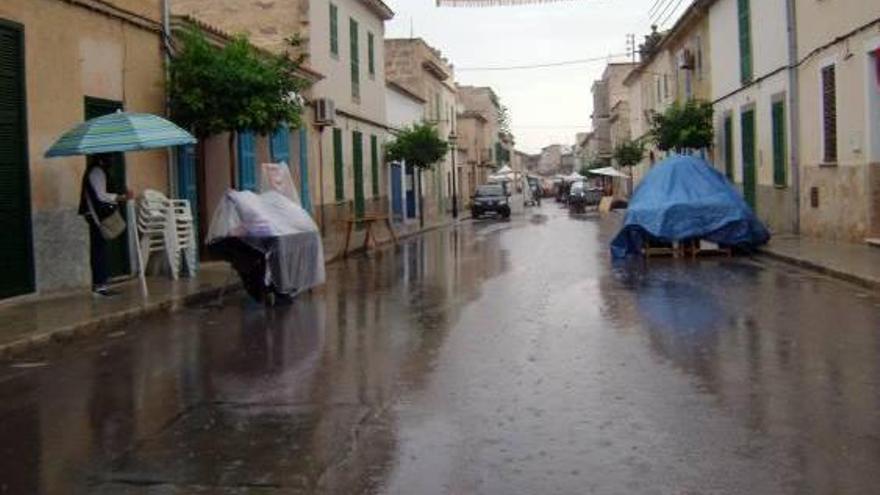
{"x":422,"y":70}
{"x":61,"y":62}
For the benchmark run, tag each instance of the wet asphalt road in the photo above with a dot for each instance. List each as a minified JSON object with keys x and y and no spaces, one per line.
{"x":495,"y":358}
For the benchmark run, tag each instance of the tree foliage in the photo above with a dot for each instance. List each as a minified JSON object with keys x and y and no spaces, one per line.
{"x":504,"y":119}
{"x":681,"y":127}
{"x":233,"y":88}
{"x":419,"y":145}
{"x":629,"y":153}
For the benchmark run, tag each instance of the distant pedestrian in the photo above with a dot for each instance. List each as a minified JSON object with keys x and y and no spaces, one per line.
{"x":98,"y":206}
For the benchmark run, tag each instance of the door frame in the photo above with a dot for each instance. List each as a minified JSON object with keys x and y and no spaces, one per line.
{"x":19,"y":30}
{"x":125,"y":241}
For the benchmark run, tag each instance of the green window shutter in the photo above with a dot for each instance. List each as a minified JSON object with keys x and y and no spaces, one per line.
{"x":357,"y":152}
{"x":371,"y":56}
{"x":779,"y":143}
{"x":374,"y":164}
{"x":334,"y":30}
{"x":728,"y":147}
{"x":16,"y":251}
{"x":338,"y":170}
{"x":749,"y":181}
{"x":745,"y":41}
{"x":355,"y":60}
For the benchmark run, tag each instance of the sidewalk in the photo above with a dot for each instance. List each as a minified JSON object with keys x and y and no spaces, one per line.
{"x":35,"y":321}
{"x":858,"y":263}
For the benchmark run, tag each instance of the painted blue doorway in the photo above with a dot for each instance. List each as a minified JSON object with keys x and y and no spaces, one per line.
{"x":396,"y":191}
{"x":247,"y":161}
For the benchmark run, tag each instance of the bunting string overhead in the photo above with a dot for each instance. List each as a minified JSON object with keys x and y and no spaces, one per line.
{"x":492,"y":3}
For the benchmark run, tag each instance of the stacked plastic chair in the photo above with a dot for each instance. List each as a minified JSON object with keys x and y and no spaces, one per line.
{"x":166,"y":226}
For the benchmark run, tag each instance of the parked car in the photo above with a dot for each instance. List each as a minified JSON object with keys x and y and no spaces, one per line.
{"x":490,"y":198}
{"x":581,"y":196}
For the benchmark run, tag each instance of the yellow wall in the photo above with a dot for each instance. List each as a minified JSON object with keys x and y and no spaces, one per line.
{"x":72,"y":53}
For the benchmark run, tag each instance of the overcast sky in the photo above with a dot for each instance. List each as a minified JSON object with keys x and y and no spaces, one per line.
{"x":547,"y":105}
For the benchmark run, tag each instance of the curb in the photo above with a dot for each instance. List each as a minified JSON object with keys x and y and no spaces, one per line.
{"x":822,"y":269}
{"x":105,"y":324}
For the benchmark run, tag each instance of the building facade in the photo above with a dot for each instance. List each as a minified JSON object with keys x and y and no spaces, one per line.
{"x":752,"y":101}
{"x":675,"y":67}
{"x":404,"y":109}
{"x":338,"y":164}
{"x":422,"y":70}
{"x":608,"y":93}
{"x":838,"y":52}
{"x":61,"y":63}
{"x":480,"y":128}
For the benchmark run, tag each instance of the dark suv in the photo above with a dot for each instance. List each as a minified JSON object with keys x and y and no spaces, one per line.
{"x":490,"y":198}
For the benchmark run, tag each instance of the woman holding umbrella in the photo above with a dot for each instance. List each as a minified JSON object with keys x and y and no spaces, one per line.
{"x":97,"y":204}
{"x":114,"y":133}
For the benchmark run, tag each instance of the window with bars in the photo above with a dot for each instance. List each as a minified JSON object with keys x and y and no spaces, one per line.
{"x":355,"y":60}
{"x":829,"y":114}
{"x":334,"y":30}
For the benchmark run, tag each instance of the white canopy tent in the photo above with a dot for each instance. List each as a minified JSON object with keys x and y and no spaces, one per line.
{"x":609,"y":172}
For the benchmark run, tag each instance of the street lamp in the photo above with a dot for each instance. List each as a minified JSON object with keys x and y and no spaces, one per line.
{"x":453,"y":139}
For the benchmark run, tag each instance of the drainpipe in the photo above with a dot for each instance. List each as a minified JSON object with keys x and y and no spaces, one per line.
{"x":794,"y":111}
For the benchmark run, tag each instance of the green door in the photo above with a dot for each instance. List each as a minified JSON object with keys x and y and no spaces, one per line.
{"x":117,"y":249}
{"x":16,"y":250}
{"x":357,"y":151}
{"x":748,"y":158}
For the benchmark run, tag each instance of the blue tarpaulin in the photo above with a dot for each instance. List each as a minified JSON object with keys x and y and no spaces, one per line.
{"x":683,"y":198}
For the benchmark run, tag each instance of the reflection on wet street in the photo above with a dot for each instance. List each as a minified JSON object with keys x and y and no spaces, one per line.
{"x":494,"y":358}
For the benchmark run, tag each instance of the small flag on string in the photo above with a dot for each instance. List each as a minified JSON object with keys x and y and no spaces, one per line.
{"x":491,"y":3}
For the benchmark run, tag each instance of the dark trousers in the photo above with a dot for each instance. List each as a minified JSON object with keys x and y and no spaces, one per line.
{"x":98,"y":246}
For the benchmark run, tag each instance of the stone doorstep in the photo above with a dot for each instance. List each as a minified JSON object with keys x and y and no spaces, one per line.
{"x":874,"y":241}
{"x":107,"y":323}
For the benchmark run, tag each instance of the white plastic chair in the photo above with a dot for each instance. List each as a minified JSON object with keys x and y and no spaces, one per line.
{"x":156,"y":230}
{"x":166,"y":225}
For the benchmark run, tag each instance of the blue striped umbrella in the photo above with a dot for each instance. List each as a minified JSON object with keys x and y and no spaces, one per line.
{"x":119,"y":132}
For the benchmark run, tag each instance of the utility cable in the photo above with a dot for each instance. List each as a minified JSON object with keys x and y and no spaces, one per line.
{"x":671,"y":12}
{"x":543,"y":65}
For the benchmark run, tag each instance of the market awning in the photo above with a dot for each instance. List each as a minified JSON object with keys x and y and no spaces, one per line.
{"x":609,"y":172}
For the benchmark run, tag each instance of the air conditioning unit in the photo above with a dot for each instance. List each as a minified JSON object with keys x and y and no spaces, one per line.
{"x":686,"y":60}
{"x":325,"y":111}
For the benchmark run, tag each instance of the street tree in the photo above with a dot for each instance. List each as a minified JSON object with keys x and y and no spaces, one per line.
{"x":683,"y":127}
{"x":419,"y":146}
{"x":233,"y":88}
{"x":629,"y":153}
